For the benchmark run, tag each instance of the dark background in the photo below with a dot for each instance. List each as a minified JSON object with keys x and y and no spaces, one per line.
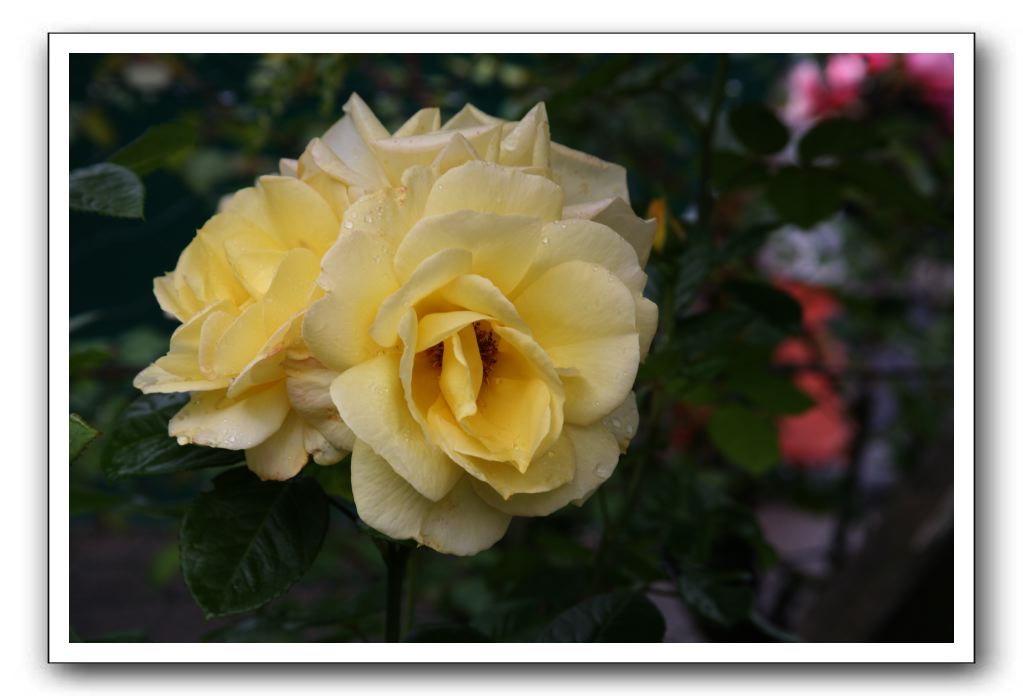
{"x":855,"y":545}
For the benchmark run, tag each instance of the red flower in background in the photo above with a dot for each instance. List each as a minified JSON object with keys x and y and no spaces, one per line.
{"x":822,"y":434}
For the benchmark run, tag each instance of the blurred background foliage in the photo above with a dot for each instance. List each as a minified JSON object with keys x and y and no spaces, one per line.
{"x":792,"y":474}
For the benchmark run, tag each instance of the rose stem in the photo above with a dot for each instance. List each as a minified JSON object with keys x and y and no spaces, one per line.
{"x":395,"y":557}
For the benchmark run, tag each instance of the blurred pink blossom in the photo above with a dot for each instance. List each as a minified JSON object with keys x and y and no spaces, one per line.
{"x":934,"y":75}
{"x":813,"y":93}
{"x":878,"y":62}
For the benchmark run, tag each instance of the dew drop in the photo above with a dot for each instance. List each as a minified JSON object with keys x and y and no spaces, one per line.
{"x":349,"y":225}
{"x":545,"y":240}
{"x":604,"y":469}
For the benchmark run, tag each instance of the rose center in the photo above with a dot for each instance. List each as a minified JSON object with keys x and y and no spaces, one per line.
{"x":486,"y":341}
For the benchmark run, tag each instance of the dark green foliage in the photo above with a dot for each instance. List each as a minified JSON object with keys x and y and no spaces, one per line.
{"x":155,"y":147}
{"x":758,"y":129}
{"x":724,"y":596}
{"x":107,"y":189}
{"x":745,"y":437}
{"x":140,"y":445}
{"x":835,"y":137}
{"x":619,"y":617}
{"x":247,"y":541}
{"x":81,"y":435}
{"x":680,"y":516}
{"x":446,"y":633}
{"x":804,"y":196}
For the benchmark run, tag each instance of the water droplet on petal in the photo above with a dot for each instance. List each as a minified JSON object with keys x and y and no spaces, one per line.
{"x":349,"y":224}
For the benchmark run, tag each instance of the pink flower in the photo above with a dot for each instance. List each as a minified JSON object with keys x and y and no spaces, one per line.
{"x":878,"y":62}
{"x":813,"y":93}
{"x":934,"y":75}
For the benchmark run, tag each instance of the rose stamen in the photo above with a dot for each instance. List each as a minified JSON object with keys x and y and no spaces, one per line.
{"x":486,"y":341}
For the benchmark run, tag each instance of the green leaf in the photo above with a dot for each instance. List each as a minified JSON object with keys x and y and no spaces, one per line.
{"x":107,"y":189}
{"x":693,"y":266}
{"x":804,"y":196}
{"x":619,"y":617}
{"x":742,"y":243}
{"x":81,"y":435}
{"x":247,"y":541}
{"x":154,"y":147}
{"x":335,"y":479}
{"x":758,"y":129}
{"x":724,"y":596}
{"x":732,"y":170}
{"x":446,"y":633}
{"x":84,"y":500}
{"x":834,"y":137}
{"x":771,"y":392}
{"x":140,"y":446}
{"x":885,"y":183}
{"x":746,"y":438}
{"x":84,"y":358}
{"x":776,"y":306}
{"x":165,"y":565}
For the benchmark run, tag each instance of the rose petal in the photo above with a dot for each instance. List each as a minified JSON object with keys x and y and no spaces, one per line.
{"x":213,"y":420}
{"x":433,"y":273}
{"x":502,"y":246}
{"x":459,"y":523}
{"x":357,"y":274}
{"x":618,"y":215}
{"x":371,"y":402}
{"x":596,"y":456}
{"x":585,"y":178}
{"x":282,"y":455}
{"x":308,"y":385}
{"x":488,"y":188}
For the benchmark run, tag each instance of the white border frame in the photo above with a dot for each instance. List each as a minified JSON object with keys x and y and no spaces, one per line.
{"x":961,"y":650}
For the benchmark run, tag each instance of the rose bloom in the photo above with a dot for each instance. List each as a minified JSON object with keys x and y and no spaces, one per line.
{"x":484,"y":316}
{"x":240,"y":289}
{"x":472,"y":338}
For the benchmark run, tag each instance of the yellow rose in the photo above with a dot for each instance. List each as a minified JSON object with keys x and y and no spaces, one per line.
{"x":240,"y":289}
{"x":357,"y":155}
{"x":484,"y":332}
